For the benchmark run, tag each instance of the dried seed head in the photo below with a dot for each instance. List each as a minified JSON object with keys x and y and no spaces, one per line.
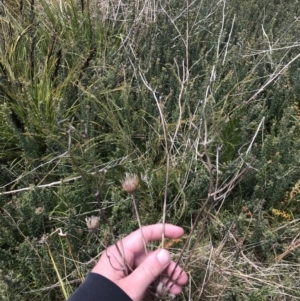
{"x":130,"y":183}
{"x":92,"y":223}
{"x":161,"y":290}
{"x":43,"y":239}
{"x":39,"y":210}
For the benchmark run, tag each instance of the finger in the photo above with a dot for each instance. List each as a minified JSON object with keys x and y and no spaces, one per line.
{"x":134,"y":242}
{"x":145,"y":274}
{"x":179,"y":276}
{"x":171,"y":287}
{"x":112,"y":263}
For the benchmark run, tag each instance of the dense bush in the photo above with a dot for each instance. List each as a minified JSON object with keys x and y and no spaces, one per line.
{"x":201,"y":100}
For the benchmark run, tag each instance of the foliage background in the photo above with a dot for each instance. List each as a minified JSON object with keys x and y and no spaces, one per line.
{"x":154,"y":88}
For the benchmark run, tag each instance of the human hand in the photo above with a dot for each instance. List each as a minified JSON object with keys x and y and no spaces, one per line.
{"x":145,"y":268}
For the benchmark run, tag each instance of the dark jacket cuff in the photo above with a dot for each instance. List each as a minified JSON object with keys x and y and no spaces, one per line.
{"x":98,"y":288}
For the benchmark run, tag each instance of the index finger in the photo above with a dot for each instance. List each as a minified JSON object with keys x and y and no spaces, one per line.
{"x":134,"y":241}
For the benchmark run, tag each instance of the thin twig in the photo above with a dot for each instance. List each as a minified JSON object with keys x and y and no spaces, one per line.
{"x":28,"y":241}
{"x":102,"y":212}
{"x":272,"y":78}
{"x":164,"y":126}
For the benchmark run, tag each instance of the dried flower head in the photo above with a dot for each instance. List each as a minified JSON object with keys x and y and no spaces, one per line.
{"x":161,"y":290}
{"x":43,"y":239}
{"x":92,"y":223}
{"x":130,"y":183}
{"x":39,"y":210}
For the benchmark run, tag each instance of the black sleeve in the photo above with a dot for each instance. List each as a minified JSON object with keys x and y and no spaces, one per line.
{"x":98,"y":288}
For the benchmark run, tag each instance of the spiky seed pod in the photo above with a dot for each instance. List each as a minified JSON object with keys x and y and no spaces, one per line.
{"x":130,"y":183}
{"x":92,"y":223}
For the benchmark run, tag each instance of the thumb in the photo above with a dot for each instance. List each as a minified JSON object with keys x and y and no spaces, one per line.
{"x":140,"y":279}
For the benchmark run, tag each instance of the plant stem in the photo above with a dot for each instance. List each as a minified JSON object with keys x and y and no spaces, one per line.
{"x":139,"y":222}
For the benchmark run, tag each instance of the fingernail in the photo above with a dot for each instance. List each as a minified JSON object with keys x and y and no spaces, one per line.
{"x":163,"y":257}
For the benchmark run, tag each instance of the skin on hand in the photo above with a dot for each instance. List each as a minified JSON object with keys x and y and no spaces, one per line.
{"x":145,"y":268}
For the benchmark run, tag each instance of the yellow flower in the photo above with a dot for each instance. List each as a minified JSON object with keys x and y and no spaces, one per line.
{"x":92,"y":223}
{"x":130,"y":183}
